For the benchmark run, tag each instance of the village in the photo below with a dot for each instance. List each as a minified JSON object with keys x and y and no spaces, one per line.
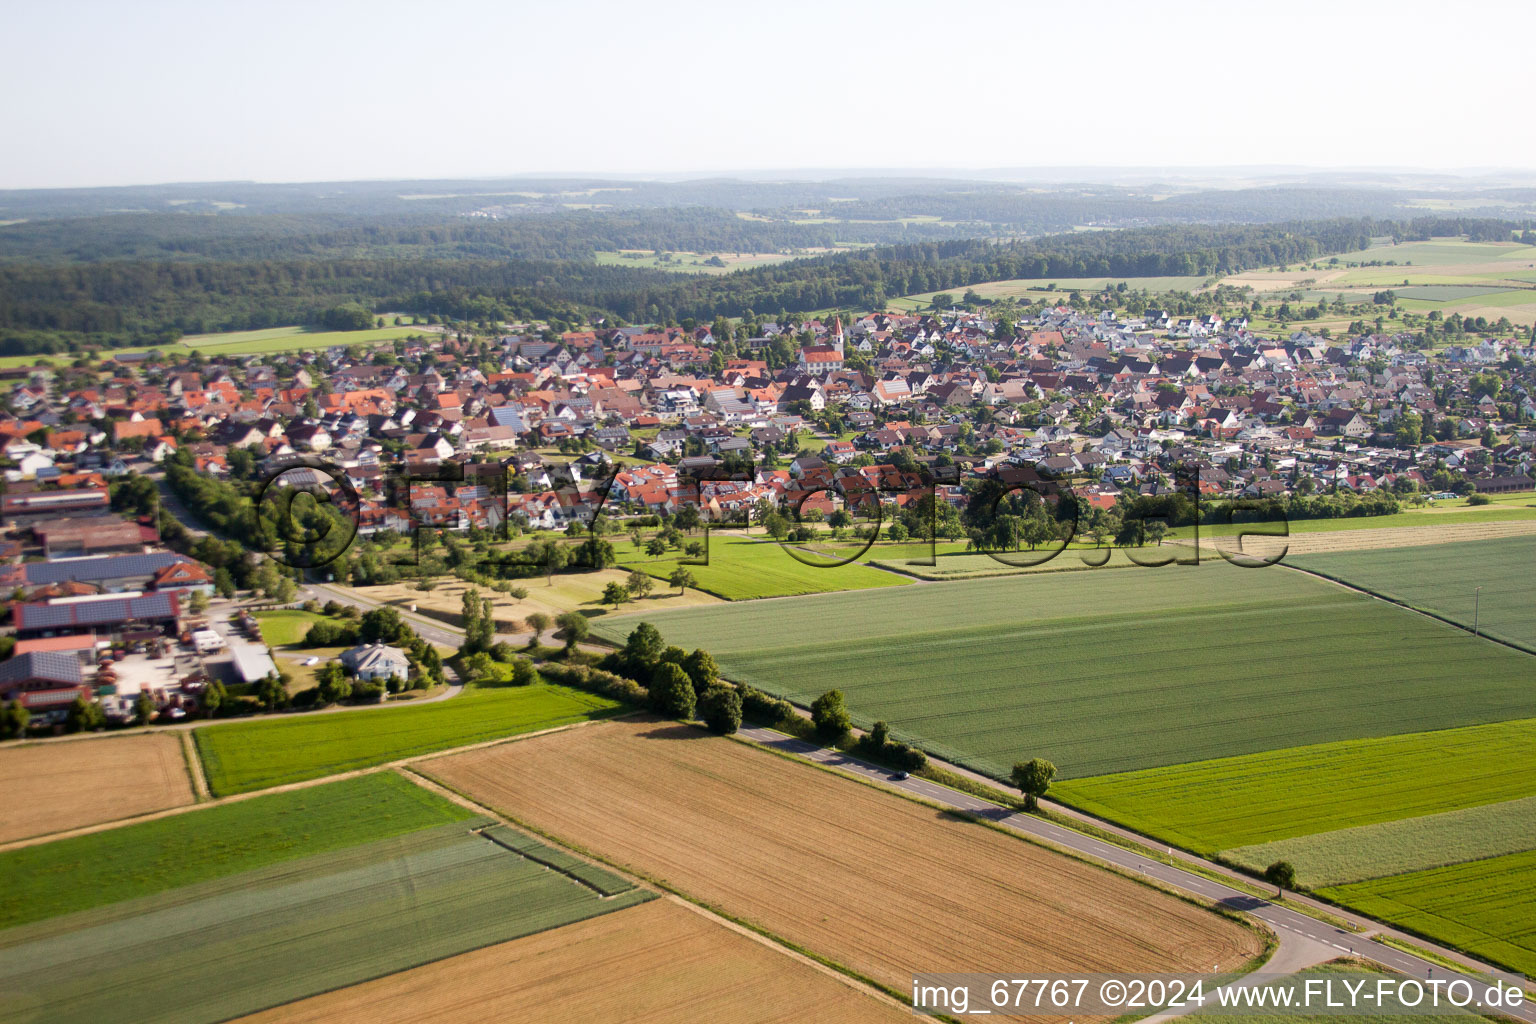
{"x":541,"y":432}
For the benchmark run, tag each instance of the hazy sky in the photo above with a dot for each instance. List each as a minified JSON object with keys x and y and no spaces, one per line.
{"x":112,"y":93}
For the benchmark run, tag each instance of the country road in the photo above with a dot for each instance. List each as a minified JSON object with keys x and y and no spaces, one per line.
{"x":1304,"y":940}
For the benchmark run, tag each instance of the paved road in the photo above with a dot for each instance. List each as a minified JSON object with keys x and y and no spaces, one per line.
{"x":1301,"y":936}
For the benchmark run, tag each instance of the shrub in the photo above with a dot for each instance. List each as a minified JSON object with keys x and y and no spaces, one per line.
{"x":759,"y":707}
{"x":523,"y":673}
{"x":504,"y":653}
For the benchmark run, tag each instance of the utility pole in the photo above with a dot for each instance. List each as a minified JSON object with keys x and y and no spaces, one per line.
{"x":1477,"y":600}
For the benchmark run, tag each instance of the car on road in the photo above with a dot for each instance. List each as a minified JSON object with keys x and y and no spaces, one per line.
{"x":901,"y":776}
{"x":311,"y":660}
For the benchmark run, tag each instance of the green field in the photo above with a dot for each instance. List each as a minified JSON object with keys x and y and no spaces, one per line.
{"x":972,"y":565}
{"x":99,"y":868}
{"x":221,"y":950}
{"x":243,"y":756}
{"x":1398,"y":847}
{"x":1485,"y":907}
{"x":1444,"y":579}
{"x":740,"y":570}
{"x":1218,"y":805}
{"x":1117,"y":670}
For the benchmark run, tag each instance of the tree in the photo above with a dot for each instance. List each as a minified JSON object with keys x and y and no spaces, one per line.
{"x":639,"y":583}
{"x":13,"y":720}
{"x":479,"y":628}
{"x":1156,"y":531}
{"x":720,"y":707}
{"x":271,"y":692}
{"x":333,"y":684}
{"x":575,"y":627}
{"x":831,"y":716}
{"x":143,"y":708}
{"x":682,"y":579}
{"x":84,"y":716}
{"x":538,"y":622}
{"x":212,"y":697}
{"x":701,"y":668}
{"x":1281,"y":875}
{"x":672,"y":692}
{"x":615,"y":593}
{"x":197,"y":604}
{"x":383,"y":625}
{"x":655,"y":547}
{"x":523,"y":673}
{"x":644,"y":645}
{"x":223,"y":582}
{"x":1033,"y":777}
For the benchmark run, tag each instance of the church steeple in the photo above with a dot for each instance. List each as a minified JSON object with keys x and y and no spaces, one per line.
{"x":837,"y":334}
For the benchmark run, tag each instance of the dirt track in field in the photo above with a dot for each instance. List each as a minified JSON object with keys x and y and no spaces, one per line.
{"x":51,"y":787}
{"x":660,"y":962}
{"x":1363,"y":540}
{"x":877,"y":883}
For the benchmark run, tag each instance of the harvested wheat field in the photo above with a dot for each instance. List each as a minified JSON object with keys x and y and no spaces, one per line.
{"x":1317,"y":542}
{"x":83,"y":782}
{"x":659,"y":962}
{"x":878,"y":883}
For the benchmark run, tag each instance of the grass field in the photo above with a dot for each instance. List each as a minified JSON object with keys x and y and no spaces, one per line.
{"x":697,"y":262}
{"x":287,"y":625}
{"x":863,"y":877}
{"x":1454,"y":515}
{"x":255,"y":755}
{"x":83,"y":782}
{"x":1031,"y":289}
{"x":239,"y":343}
{"x":1495,"y":579}
{"x":242,"y":944}
{"x":100,"y":868}
{"x":1241,"y":801}
{"x":1115,"y":670}
{"x":661,"y":963}
{"x":741,"y":570}
{"x":1398,"y":847}
{"x":576,"y":591}
{"x":1485,"y":907}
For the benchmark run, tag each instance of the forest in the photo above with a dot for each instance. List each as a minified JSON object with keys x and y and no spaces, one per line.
{"x":55,"y":306}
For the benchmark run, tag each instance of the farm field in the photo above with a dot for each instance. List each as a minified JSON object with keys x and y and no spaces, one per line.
{"x":1398,"y":847}
{"x":270,"y":936}
{"x":863,"y":877}
{"x":1217,"y":805}
{"x":662,"y":963}
{"x":741,"y":570}
{"x":99,"y":868}
{"x":1491,"y":279}
{"x":1495,"y":579}
{"x":244,"y":756}
{"x":1118,"y":670}
{"x":581,"y":591}
{"x":1486,"y":515}
{"x":1486,"y":907}
{"x":87,"y":781}
{"x":973,"y":566}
